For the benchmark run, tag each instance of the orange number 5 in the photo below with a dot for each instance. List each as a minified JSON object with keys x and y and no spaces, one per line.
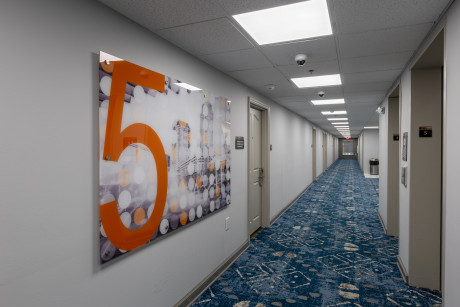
{"x":116,"y":141}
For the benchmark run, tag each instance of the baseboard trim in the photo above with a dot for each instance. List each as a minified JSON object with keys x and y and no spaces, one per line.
{"x":273,"y":220}
{"x":198,"y":290}
{"x":402,"y":270}
{"x":383,"y":224}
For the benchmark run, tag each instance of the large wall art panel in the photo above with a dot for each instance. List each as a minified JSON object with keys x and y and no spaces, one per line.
{"x":164,"y":155}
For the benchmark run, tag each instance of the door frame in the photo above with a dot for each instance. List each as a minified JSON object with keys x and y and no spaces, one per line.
{"x":265,"y":206}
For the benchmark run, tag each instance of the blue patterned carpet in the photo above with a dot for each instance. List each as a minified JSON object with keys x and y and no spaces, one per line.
{"x":328,"y":249}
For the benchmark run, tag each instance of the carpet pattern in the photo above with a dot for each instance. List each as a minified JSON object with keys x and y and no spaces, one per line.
{"x":328,"y":249}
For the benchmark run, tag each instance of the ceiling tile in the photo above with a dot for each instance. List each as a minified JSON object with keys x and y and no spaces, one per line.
{"x":159,"y":14}
{"x":237,"y":60}
{"x":331,"y":92}
{"x":244,"y":6}
{"x":320,"y":69}
{"x":260,"y":77}
{"x":360,"y":115}
{"x":354,"y":16}
{"x":382,"y":41}
{"x":375,"y":62}
{"x":207,"y":37}
{"x":367,"y":87}
{"x":308,"y":93}
{"x":320,"y":49}
{"x":295,"y":104}
{"x":372,"y":76}
{"x":360,"y":98}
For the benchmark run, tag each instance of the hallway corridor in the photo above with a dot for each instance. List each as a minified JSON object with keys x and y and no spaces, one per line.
{"x":328,"y":249}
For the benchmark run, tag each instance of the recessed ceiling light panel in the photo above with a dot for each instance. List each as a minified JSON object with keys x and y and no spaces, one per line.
{"x":327,"y":102}
{"x":334,"y":112}
{"x":371,"y":127}
{"x":337,"y":118}
{"x":326,"y":80}
{"x":288,"y":22}
{"x":340,"y":123}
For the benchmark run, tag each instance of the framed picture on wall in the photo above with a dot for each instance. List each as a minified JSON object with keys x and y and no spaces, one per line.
{"x":404,"y":149}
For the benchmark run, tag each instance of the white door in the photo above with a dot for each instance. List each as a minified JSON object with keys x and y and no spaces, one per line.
{"x":256,"y":172}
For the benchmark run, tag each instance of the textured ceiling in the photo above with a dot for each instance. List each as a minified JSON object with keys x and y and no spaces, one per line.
{"x":372,"y":42}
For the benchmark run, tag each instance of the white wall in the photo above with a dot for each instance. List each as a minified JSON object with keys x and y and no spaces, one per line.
{"x":451,"y":294}
{"x":49,"y":166}
{"x":383,"y":163}
{"x":370,"y":148}
{"x":291,"y":157}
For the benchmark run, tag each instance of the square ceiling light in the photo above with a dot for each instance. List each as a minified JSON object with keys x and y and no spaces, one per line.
{"x":337,"y":118}
{"x":328,"y":101}
{"x":327,"y":80}
{"x":334,"y":112}
{"x":288,"y":22}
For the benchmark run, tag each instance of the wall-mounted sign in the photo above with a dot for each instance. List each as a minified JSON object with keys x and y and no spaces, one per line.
{"x":239,"y":142}
{"x":425,"y":131}
{"x":404,"y":147}
{"x":396,"y":137}
{"x":164,"y":155}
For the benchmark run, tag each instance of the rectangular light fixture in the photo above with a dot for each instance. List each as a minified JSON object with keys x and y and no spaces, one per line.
{"x":337,"y":118}
{"x":334,"y":112}
{"x":340,"y":123}
{"x":328,"y":101}
{"x":288,"y":22}
{"x":187,"y":86}
{"x":371,"y":127}
{"x":339,"y":127}
{"x":327,"y":80}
